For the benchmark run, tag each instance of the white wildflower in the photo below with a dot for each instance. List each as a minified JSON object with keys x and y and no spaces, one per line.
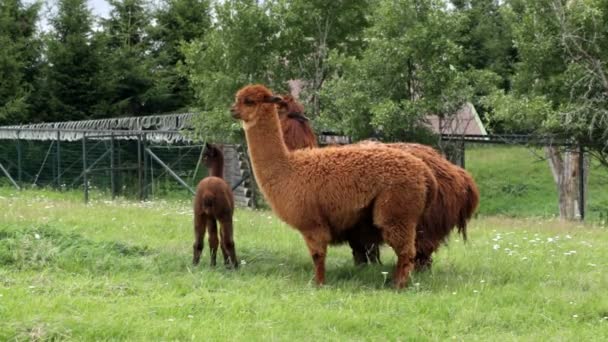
{"x":37,"y":236}
{"x":496,"y":247}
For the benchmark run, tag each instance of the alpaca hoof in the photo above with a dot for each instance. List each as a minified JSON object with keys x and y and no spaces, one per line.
{"x":422,"y":265}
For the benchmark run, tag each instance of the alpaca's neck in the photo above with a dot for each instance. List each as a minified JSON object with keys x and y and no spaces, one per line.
{"x":217,"y":167}
{"x":267,"y":149}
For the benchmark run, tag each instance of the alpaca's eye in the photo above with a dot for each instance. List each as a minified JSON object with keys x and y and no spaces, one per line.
{"x":249,"y":102}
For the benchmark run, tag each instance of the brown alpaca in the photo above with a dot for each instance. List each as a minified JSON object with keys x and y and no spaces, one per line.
{"x":297,"y":132}
{"x":324,"y":192}
{"x":458,"y":198}
{"x":456,"y":201}
{"x":214,"y":202}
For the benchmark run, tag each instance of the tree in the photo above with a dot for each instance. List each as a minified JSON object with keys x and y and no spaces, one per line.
{"x":409,"y":69}
{"x":310,"y":31}
{"x":19,"y":59}
{"x":73,"y":64}
{"x":240,"y":49}
{"x":127,"y":76}
{"x":560,"y":85}
{"x":177,"y":22}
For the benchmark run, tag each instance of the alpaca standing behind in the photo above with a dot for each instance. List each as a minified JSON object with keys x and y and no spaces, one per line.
{"x":297,"y":132}
{"x":455,"y":204}
{"x":324,"y":192}
{"x":214,"y":202}
{"x":456,"y":201}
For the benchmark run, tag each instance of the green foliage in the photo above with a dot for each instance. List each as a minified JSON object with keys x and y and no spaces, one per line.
{"x":421,"y":76}
{"x":127,"y":78}
{"x":19,"y":56}
{"x":178,"y":22}
{"x":236,"y":52}
{"x":73,"y":64}
{"x":560,"y":85}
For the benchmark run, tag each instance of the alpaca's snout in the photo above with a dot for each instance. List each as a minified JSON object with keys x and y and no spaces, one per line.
{"x":235,"y":114}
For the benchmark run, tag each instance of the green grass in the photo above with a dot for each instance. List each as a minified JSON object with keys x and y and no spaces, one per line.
{"x":516,"y":181}
{"x":121,"y":271}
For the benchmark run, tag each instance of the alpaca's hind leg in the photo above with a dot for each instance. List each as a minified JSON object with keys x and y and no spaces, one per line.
{"x":228,"y":249}
{"x":317,"y":241}
{"x":359,"y":252}
{"x":372,"y":251}
{"x":424,"y":251}
{"x":213,"y":239}
{"x":399,"y":237}
{"x":199,"y":237}
{"x":423,"y":261}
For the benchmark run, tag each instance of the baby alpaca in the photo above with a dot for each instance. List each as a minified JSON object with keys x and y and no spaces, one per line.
{"x":323,"y":192}
{"x":214,"y":202}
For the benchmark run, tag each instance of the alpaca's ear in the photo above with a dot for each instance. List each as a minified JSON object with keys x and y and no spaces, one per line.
{"x":273,"y":99}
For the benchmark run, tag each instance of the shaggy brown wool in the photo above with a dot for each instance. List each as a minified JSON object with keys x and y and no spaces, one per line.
{"x":297,"y":132}
{"x":456,"y":201}
{"x":214,"y":202}
{"x":324,"y":192}
{"x":458,"y":198}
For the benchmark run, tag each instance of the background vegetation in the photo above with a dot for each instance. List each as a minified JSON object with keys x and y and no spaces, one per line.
{"x":367,"y":67}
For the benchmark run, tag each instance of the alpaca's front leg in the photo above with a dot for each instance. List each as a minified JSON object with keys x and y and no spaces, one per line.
{"x":317,"y":241}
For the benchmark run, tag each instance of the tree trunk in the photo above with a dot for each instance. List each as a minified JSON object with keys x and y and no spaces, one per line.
{"x":565,"y":167}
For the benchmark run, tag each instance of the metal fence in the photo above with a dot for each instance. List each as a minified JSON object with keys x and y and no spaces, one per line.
{"x":132,"y":164}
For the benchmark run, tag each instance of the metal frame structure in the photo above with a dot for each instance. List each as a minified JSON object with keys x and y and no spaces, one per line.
{"x":144,"y":140}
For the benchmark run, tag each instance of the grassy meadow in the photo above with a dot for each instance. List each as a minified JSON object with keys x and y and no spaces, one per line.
{"x":121,"y":271}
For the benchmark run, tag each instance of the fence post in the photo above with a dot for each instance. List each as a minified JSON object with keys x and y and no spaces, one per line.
{"x":581,"y":181}
{"x":58,"y":156}
{"x":19,"y":157}
{"x":462,"y":156}
{"x":145,"y":167}
{"x":139,"y":168}
{"x":112,"y":185}
{"x":84,"y":168}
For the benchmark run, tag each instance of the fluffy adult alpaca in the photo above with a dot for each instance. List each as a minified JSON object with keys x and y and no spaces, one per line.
{"x":458,"y":198}
{"x":324,"y":192}
{"x":214,"y":202}
{"x":297,"y":132}
{"x":456,"y":201}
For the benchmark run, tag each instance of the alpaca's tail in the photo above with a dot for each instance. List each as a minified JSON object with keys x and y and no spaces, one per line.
{"x":208,"y":201}
{"x":471,"y":200}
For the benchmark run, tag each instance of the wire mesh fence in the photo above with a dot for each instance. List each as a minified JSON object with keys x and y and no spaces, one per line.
{"x":134,"y":165}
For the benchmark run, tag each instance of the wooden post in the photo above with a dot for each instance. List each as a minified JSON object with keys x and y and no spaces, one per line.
{"x":462,"y":147}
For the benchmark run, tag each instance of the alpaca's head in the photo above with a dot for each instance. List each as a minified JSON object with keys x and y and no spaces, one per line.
{"x":253,"y":101}
{"x":289,"y":105}
{"x":211,"y":154}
